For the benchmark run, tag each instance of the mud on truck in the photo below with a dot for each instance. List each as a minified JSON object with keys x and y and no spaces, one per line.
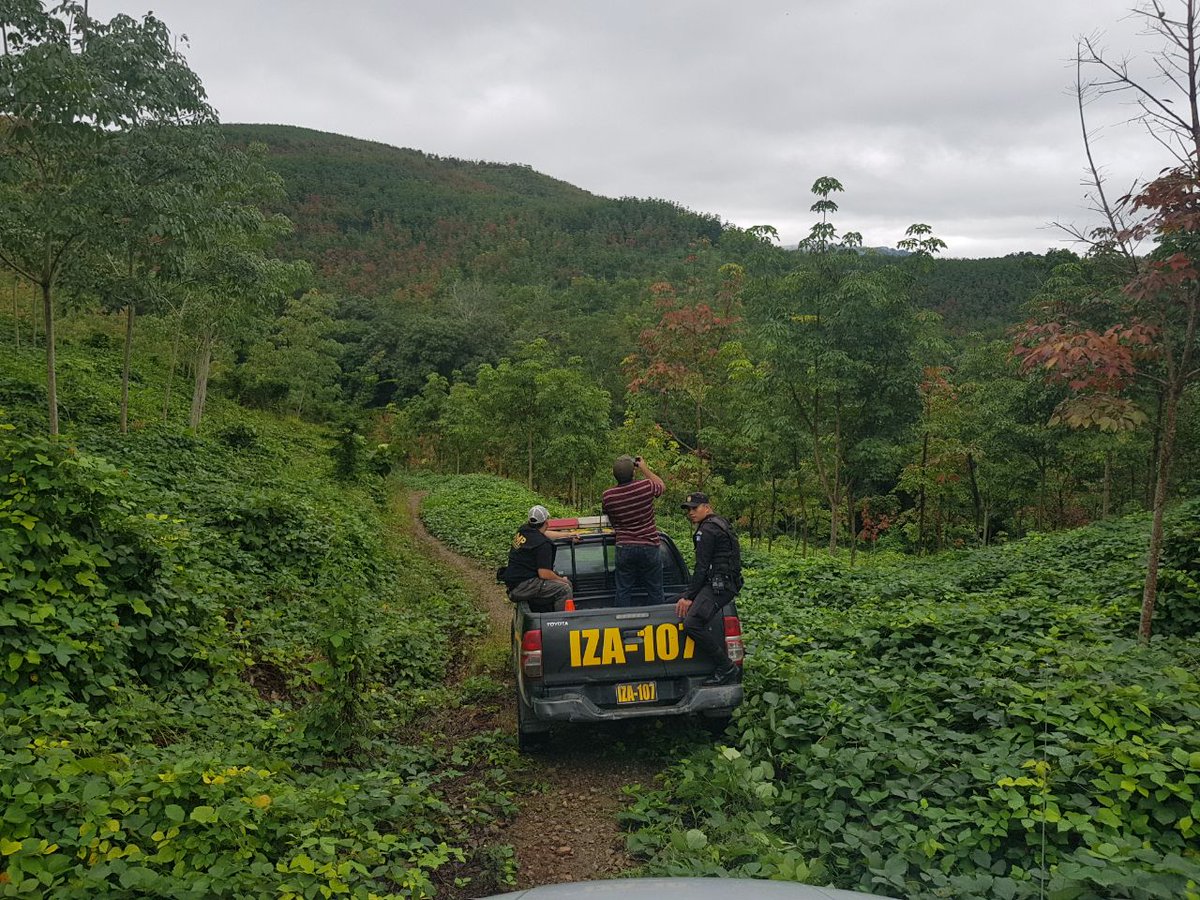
{"x":600,"y":663}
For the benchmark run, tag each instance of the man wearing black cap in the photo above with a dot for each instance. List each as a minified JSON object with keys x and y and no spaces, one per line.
{"x":530,"y":574}
{"x":718,"y":577}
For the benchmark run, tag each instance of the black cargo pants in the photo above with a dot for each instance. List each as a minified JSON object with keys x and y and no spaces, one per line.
{"x":697,"y":624}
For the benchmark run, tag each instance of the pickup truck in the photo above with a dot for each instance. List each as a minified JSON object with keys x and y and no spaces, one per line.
{"x":600,"y":663}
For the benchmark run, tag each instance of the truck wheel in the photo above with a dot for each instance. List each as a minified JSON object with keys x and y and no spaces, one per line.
{"x":530,"y":736}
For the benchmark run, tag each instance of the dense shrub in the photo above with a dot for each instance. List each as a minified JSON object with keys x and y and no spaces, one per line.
{"x":978,"y":725}
{"x":91,"y":592}
{"x":207,"y":648}
{"x":477,"y":514}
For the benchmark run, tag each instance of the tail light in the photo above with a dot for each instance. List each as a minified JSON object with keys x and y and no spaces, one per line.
{"x":531,"y":654}
{"x":733,"y":641}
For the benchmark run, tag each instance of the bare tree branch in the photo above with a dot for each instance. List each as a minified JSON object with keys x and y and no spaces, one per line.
{"x":1111,"y":214}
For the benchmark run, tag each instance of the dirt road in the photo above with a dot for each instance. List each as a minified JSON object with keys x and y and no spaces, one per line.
{"x":566,"y":829}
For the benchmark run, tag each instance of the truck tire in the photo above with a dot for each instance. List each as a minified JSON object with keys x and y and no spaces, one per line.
{"x":530,"y":735}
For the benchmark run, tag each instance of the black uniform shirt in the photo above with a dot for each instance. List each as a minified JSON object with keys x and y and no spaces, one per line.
{"x":531,"y":550}
{"x":714,"y":553}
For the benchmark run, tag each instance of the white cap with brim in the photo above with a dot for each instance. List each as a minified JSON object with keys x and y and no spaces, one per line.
{"x":538,"y":515}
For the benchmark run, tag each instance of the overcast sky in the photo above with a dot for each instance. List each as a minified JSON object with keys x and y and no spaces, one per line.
{"x":956,"y":113}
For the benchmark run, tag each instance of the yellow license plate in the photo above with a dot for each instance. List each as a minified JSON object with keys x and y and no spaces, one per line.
{"x":637,"y":692}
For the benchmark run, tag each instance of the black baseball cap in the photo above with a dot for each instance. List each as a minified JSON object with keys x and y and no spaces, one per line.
{"x":694,"y":499}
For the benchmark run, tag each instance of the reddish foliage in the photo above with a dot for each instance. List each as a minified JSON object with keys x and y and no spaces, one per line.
{"x":1162,"y":278}
{"x":679,"y":350}
{"x":873,"y":524}
{"x":1173,"y":201}
{"x":1082,"y":358}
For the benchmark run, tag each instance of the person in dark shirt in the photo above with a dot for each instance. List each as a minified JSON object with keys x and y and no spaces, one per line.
{"x":630,"y":509}
{"x":530,"y":575}
{"x":717,"y":578}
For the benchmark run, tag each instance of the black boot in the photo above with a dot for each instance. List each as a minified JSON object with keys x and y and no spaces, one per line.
{"x":727,"y":674}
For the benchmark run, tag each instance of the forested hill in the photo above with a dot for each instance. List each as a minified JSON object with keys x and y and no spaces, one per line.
{"x":381,"y":221}
{"x":377,"y":220}
{"x":985,"y":294}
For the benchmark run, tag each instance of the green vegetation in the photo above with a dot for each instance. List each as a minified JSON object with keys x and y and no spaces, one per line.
{"x":979,"y":725}
{"x":212,"y":650}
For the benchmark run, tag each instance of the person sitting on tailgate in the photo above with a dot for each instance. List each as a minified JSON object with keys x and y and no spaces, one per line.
{"x":530,"y":575}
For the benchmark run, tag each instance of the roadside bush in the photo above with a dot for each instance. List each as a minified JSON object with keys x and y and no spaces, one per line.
{"x":979,"y":725}
{"x":1178,"y":607}
{"x":90,"y":592}
{"x":208,"y":648}
{"x":190,"y":823}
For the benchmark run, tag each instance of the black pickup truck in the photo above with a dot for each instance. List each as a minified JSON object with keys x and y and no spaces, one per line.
{"x":599,"y":663}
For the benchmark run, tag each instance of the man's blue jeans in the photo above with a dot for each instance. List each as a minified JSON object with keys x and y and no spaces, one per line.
{"x":638,"y":564}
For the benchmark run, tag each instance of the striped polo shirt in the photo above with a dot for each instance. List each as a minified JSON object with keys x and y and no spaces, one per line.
{"x":630,"y":509}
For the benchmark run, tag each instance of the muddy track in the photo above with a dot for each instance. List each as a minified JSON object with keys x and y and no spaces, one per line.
{"x":571,"y":792}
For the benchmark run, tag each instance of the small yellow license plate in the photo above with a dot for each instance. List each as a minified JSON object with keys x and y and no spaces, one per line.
{"x":637,"y":692}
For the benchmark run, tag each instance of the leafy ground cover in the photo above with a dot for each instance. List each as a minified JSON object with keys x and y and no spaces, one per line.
{"x":208,"y":647}
{"x":476,"y":515}
{"x":976,"y":725}
{"x":979,"y":724}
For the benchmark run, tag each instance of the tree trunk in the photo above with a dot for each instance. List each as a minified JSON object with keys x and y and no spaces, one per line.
{"x":51,"y":380}
{"x":200,"y":383}
{"x":1041,"y":497}
{"x":529,"y":459}
{"x":129,"y":314}
{"x":938,"y":525}
{"x":976,"y":500}
{"x":1106,"y":495}
{"x":1165,"y":452}
{"x":1152,"y":470}
{"x":836,"y":497}
{"x":921,"y":497}
{"x":771,"y":517}
{"x":1178,"y":373}
{"x":33,"y":315}
{"x":851,"y":525}
{"x":166,"y":408}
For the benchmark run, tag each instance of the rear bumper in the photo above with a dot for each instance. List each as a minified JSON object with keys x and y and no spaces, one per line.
{"x":720,"y":700}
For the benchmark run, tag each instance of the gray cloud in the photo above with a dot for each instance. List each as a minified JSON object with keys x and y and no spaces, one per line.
{"x":955,"y":114}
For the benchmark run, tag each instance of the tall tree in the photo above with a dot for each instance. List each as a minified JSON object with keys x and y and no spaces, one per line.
{"x":1150,"y":328}
{"x":70,"y":87}
{"x":160,"y":205}
{"x":683,"y":359}
{"x":839,"y":342}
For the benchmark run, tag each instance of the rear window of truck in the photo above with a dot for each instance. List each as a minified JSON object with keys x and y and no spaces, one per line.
{"x":596,"y":561}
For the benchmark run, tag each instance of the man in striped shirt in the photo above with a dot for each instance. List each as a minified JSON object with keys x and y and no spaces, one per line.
{"x":630,"y":508}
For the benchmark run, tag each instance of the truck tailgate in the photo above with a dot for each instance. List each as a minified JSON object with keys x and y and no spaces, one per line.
{"x":644,"y":643}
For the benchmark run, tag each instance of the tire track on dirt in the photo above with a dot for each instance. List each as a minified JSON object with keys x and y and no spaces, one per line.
{"x":566,"y":829}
